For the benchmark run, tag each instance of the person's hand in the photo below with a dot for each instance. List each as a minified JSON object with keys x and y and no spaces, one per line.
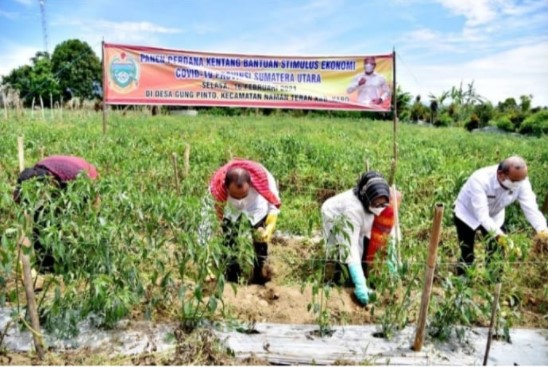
{"x":542,"y":235}
{"x":362,"y":81}
{"x":265,"y":234}
{"x":505,"y":242}
{"x":360,"y":287}
{"x":392,"y":267}
{"x":540,"y":242}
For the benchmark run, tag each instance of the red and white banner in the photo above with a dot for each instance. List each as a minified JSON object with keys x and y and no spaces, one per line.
{"x":147,"y":75}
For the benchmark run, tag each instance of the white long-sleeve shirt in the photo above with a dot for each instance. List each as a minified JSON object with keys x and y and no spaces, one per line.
{"x":375,"y":87}
{"x":482,"y":200}
{"x":254,"y":205}
{"x":345,"y":223}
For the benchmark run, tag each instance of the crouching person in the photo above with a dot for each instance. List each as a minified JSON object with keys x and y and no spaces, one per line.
{"x":58,"y":171}
{"x":243,"y":187}
{"x":350,"y":219}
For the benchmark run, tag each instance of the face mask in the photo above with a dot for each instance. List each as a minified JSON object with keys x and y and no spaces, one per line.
{"x":376,"y":211}
{"x":369,"y":68}
{"x":511,"y":185}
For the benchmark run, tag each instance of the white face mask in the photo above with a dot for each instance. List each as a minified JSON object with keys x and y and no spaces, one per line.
{"x":376,"y":211}
{"x":511,"y":185}
{"x":369,"y":68}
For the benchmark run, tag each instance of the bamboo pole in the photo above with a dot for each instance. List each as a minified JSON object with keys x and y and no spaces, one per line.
{"x":397,"y":230}
{"x":104,"y":87}
{"x":51,"y":105}
{"x":494,"y":307}
{"x":32,"y":108}
{"x":42,"y":152}
{"x":27,"y":274}
{"x":42,"y":108}
{"x":186,"y":161}
{"x":21,"y":153}
{"x":395,"y":110}
{"x":429,"y":276}
{"x":5,"y":104}
{"x":31,"y":301}
{"x":176,"y":173}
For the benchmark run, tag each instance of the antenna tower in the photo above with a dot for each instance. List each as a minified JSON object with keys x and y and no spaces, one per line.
{"x":44,"y":23}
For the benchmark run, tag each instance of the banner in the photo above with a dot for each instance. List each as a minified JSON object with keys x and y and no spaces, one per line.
{"x":146,"y":75}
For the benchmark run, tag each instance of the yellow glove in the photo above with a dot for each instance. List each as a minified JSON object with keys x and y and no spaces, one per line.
{"x":543,"y":235}
{"x":505,"y":242}
{"x":265,"y":234}
{"x":540,"y":242}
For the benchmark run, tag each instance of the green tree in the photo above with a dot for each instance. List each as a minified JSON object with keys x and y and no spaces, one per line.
{"x":19,"y":79}
{"x":463,"y":101}
{"x":34,"y":81}
{"x":485,"y":113}
{"x":43,"y":82}
{"x":77,"y":68}
{"x":403,"y":104}
{"x":418,"y":110}
{"x":508,"y":105}
{"x":525,"y":104}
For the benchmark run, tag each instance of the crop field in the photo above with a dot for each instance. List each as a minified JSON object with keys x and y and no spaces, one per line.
{"x":152,"y":248}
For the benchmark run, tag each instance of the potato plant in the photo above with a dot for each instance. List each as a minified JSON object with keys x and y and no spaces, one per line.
{"x":141,"y":251}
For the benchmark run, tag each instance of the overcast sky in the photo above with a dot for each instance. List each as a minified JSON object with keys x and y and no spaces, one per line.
{"x":501,"y":45}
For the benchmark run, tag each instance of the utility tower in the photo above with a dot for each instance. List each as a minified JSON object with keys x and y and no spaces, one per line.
{"x":44,"y":23}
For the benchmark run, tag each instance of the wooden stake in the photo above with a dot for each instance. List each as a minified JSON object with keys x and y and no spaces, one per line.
{"x":186,"y":161}
{"x":5,"y":103}
{"x":176,"y":173}
{"x":429,"y":277}
{"x":397,"y":230}
{"x":32,"y":108}
{"x":42,"y":150}
{"x":395,"y":122}
{"x":21,"y":153}
{"x":27,"y":274}
{"x":105,"y":87}
{"x":494,"y":307}
{"x":42,"y":108}
{"x":51,"y":105}
{"x":392,"y":177}
{"x":31,"y":302}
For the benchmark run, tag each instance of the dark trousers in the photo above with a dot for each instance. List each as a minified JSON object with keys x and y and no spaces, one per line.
{"x":467,"y":236}
{"x":338,"y":273}
{"x":44,"y":256}
{"x":234,"y":270}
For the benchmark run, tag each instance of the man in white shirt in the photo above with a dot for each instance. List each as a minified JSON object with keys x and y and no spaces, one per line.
{"x":348,"y":219}
{"x":481,"y":202}
{"x":371,"y":86}
{"x":246,"y":188}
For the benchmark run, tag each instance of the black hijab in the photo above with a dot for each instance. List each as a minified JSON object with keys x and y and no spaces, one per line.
{"x":370,"y":186}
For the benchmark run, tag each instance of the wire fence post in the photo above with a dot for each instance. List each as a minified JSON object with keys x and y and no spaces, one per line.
{"x":494,"y":307}
{"x":104,"y":88}
{"x":27,"y":273}
{"x":429,"y":276}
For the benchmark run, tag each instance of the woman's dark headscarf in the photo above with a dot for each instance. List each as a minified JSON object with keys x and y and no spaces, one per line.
{"x":370,"y":186}
{"x":27,"y":174}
